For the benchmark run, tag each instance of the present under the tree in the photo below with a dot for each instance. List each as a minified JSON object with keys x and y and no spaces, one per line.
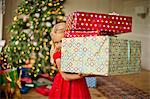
{"x":91,"y":82}
{"x":8,"y":76}
{"x":100,"y":55}
{"x":105,"y":23}
{"x":70,"y":34}
{"x":25,"y":73}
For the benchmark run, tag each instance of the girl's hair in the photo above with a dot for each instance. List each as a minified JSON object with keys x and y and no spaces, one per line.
{"x":57,"y":30}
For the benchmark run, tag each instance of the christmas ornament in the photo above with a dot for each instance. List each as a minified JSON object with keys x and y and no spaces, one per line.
{"x":48,"y":24}
{"x":44,"y":8}
{"x":54,"y":22}
{"x":37,"y":15}
{"x":50,"y":4}
{"x":43,"y":19}
{"x":35,"y":43}
{"x":43,"y":23}
{"x":15,"y":18}
{"x":17,"y":42}
{"x":39,"y":10}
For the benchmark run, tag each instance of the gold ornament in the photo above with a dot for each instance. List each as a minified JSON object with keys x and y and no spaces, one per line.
{"x":29,"y":73}
{"x":51,"y":74}
{"x":14,"y":50}
{"x":46,"y":30}
{"x":19,"y":48}
{"x":33,"y":68}
{"x":5,"y":56}
{"x":35,"y":75}
{"x":22,"y":53}
{"x":60,"y":17}
{"x":47,"y":53}
{"x":59,"y":13}
{"x":52,"y":71}
{"x":55,"y":4}
{"x":58,"y":3}
{"x":50,"y":4}
{"x":20,"y":61}
{"x":33,"y":48}
{"x":40,"y":46}
{"x":26,"y":10}
{"x":41,"y":39}
{"x":52,"y":12}
{"x":61,"y":6}
{"x":37,"y":48}
{"x":58,"y":9}
{"x":10,"y":58}
{"x":46,"y":58}
{"x":39,"y":65}
{"x":15,"y":18}
{"x":44,"y":43}
{"x":28,"y":52}
{"x":38,"y":70}
{"x":24,"y":38}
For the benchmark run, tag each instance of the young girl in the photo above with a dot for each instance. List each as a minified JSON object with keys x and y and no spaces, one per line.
{"x":65,"y":86}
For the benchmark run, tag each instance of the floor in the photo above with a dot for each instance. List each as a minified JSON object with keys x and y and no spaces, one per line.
{"x":140,"y":80}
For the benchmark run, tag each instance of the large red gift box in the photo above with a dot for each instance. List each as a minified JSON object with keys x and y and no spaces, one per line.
{"x":103,"y":22}
{"x":70,"y":34}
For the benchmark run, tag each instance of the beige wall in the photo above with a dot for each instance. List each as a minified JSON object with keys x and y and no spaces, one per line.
{"x":11,"y":5}
{"x":87,"y":5}
{"x":141,"y":27}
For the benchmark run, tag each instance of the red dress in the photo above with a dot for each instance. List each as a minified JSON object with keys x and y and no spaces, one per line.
{"x":62,"y":89}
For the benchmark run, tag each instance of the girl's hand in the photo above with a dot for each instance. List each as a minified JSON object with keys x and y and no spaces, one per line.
{"x":83,"y":75}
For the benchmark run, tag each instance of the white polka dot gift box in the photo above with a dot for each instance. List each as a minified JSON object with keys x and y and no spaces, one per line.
{"x":100,"y":55}
{"x":105,"y":23}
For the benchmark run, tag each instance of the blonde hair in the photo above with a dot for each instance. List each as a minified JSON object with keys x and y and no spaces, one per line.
{"x":57,"y":30}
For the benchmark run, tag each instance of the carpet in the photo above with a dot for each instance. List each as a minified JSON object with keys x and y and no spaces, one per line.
{"x":113,"y":88}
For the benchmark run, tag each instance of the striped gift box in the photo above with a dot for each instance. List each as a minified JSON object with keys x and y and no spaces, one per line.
{"x":91,"y":82}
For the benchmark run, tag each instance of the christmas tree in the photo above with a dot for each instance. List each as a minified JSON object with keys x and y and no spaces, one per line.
{"x":30,"y":33}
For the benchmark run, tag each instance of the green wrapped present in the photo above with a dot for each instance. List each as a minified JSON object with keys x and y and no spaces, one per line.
{"x":100,"y":55}
{"x":8,"y":76}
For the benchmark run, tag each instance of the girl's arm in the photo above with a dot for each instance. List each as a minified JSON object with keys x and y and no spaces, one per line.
{"x":65,"y":75}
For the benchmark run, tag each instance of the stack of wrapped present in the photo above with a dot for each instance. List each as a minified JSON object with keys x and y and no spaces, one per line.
{"x":90,"y":45}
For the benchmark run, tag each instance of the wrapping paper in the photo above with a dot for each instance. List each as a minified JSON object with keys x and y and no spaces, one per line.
{"x":105,"y":23}
{"x":70,"y":34}
{"x":100,"y":55}
{"x":91,"y":82}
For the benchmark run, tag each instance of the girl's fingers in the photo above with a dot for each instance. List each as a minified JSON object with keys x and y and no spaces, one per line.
{"x":79,"y":74}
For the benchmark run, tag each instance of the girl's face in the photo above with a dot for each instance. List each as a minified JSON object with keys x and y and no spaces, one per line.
{"x":58,"y":42}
